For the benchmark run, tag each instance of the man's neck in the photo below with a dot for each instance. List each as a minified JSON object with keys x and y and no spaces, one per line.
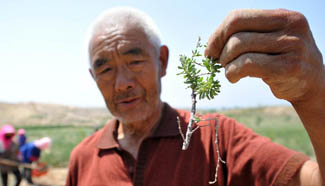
{"x":130,"y":135}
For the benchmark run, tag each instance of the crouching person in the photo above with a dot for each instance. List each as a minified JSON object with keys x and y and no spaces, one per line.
{"x":31,"y":153}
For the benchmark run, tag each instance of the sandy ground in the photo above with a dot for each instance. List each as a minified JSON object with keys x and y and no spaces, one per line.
{"x":55,"y":177}
{"x":51,"y":114}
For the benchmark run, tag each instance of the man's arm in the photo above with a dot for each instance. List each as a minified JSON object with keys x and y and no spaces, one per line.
{"x":312,"y":114}
{"x":278,"y":47}
{"x":72,"y":177}
{"x":309,"y":175}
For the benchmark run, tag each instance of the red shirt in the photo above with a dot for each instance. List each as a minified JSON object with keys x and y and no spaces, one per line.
{"x":250,"y":159}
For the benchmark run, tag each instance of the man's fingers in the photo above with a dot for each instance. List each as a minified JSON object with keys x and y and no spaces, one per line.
{"x":254,"y":65}
{"x":253,"y":42}
{"x":245,"y":21}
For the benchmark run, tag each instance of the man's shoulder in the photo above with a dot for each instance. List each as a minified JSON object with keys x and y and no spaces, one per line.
{"x":87,"y":145}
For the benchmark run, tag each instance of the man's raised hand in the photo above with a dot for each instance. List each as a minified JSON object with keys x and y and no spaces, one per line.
{"x":274,"y":45}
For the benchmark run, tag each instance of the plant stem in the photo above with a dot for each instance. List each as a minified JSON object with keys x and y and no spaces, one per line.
{"x":219,"y":157}
{"x":189,"y":131}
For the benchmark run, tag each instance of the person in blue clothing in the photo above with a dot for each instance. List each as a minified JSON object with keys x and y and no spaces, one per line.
{"x":21,"y":137}
{"x":31,"y":152}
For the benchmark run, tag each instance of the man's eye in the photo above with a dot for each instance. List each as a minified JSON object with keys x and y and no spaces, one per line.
{"x":105,"y":70}
{"x":136,"y":62}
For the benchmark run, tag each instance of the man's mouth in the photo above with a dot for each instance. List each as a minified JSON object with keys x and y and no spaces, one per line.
{"x":128,"y":102}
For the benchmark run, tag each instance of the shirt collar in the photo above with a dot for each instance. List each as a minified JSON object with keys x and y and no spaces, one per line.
{"x":167,"y":127}
{"x":168,"y":123}
{"x":108,"y":138}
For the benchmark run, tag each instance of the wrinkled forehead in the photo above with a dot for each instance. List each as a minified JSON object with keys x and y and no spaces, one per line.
{"x":115,"y":35}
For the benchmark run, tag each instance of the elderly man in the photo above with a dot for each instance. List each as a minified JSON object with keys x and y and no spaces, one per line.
{"x":142,"y":146}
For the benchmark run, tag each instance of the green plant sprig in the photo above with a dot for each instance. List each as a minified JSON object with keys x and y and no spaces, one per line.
{"x":201,"y":83}
{"x":205,"y":83}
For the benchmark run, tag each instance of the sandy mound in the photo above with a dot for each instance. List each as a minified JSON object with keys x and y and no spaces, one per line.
{"x":50,"y":114}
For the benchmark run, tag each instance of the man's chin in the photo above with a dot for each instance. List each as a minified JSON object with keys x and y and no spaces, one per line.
{"x":132,"y":118}
{"x":139,"y":113}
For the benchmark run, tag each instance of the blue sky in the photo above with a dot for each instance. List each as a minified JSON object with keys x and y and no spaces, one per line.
{"x":43,"y":57}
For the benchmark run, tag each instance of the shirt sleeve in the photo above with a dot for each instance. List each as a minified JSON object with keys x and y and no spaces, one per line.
{"x":252,"y":159}
{"x":72,"y":177}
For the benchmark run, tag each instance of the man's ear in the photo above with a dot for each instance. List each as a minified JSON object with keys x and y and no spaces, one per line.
{"x":91,"y":73}
{"x":164,"y":54}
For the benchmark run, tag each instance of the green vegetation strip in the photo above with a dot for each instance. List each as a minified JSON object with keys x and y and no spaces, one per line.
{"x":64,"y":139}
{"x":284,"y":129}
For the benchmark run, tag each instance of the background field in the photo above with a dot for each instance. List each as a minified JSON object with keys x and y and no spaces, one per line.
{"x":281,"y":124}
{"x":67,"y":126}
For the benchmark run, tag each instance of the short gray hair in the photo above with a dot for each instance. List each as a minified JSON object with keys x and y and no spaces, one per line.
{"x":138,"y":17}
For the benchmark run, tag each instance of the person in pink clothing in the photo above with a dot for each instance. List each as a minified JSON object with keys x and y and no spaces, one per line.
{"x":9,"y":150}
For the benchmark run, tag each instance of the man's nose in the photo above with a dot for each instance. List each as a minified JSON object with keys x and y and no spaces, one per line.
{"x":124,"y":80}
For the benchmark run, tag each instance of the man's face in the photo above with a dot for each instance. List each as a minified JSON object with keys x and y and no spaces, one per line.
{"x":127,"y":69}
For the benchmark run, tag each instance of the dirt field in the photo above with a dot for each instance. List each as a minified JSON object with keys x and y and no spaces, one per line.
{"x":55,"y":177}
{"x":50,"y":114}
